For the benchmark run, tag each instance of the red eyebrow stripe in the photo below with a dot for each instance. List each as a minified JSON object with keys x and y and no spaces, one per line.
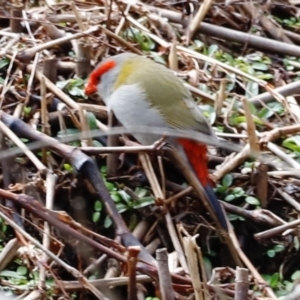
{"x":97,"y":73}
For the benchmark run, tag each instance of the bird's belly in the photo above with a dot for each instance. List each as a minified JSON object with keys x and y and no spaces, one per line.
{"x":133,"y":111}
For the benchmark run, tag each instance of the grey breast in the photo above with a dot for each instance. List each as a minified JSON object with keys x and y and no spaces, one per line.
{"x":131,"y":108}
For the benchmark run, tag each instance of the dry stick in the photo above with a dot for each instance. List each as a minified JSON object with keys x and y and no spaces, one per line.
{"x":153,"y":245}
{"x":61,"y":95}
{"x":191,"y":251}
{"x":84,"y":128}
{"x":277,"y":151}
{"x":70,"y":269}
{"x":231,"y":164}
{"x":121,"y":149}
{"x":88,"y":168}
{"x":31,"y":78}
{"x":27,"y":54}
{"x":50,"y":188}
{"x":221,"y":96}
{"x":102,"y":283}
{"x":6,"y":165}
{"x":241,"y":284}
{"x":294,"y":109}
{"x":16,"y":17}
{"x":165,"y":283}
{"x":289,"y":199}
{"x":36,"y":208}
{"x":277,"y":133}
{"x":6,"y":85}
{"x":8,"y":253}
{"x":133,"y":253}
{"x":261,"y":182}
{"x":253,"y":141}
{"x":159,"y":195}
{"x":50,"y":68}
{"x":173,"y":58}
{"x":276,"y":230}
{"x":230,"y":34}
{"x":191,"y":178}
{"x":44,"y":118}
{"x":22,"y":146}
{"x":83,"y":51}
{"x":207,"y":59}
{"x":286,"y":90}
{"x":112,"y":140}
{"x":269,"y":26}
{"x":198,"y":18}
{"x":250,"y":267}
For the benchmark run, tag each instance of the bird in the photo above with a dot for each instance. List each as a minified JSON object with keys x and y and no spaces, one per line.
{"x":143,"y":93}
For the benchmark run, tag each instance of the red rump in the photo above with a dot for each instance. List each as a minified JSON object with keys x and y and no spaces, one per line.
{"x":196,"y":154}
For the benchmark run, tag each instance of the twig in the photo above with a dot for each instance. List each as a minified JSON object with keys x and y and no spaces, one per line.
{"x":133,"y":253}
{"x":253,"y":141}
{"x":8,"y":252}
{"x":251,"y":268}
{"x":165,"y":284}
{"x":241,"y":284}
{"x":159,"y":195}
{"x":68,"y":268}
{"x":277,"y":230}
{"x":231,"y":164}
{"x":22,"y":146}
{"x":27,"y":54}
{"x":198,"y":18}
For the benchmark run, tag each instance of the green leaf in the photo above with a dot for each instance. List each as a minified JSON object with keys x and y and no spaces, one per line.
{"x":96,"y":143}
{"x":103,"y":169}
{"x":146,"y":201}
{"x":230,"y":197}
{"x":271,"y":253}
{"x":68,"y":167}
{"x":140,"y":192}
{"x":252,"y":89}
{"x":265,"y":113}
{"x":295,"y":275}
{"x":265,"y":76}
{"x":260,"y":66}
{"x":212,"y":49}
{"x":158,"y":58}
{"x":27,"y":110}
{"x":92,"y":121}
{"x":292,"y":143}
{"x":233,"y":217}
{"x":107,"y":222}
{"x":116,"y":197}
{"x":124,"y":196}
{"x":21,"y":270}
{"x":110,"y":186}
{"x":121,"y":207}
{"x":227,"y":180}
{"x":238,"y":192}
{"x":274,"y":280}
{"x":96,"y":216}
{"x":98,"y":205}
{"x":69,"y":132}
{"x":252,"y":200}
{"x":11,"y":274}
{"x":3,"y":63}
{"x":279,"y":248}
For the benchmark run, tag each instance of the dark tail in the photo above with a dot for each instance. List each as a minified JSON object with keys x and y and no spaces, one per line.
{"x":196,"y":154}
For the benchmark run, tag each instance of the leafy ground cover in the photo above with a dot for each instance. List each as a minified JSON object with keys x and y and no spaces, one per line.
{"x":74,"y":209}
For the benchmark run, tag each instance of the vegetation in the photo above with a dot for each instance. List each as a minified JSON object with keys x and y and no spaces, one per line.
{"x":242,"y":66}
